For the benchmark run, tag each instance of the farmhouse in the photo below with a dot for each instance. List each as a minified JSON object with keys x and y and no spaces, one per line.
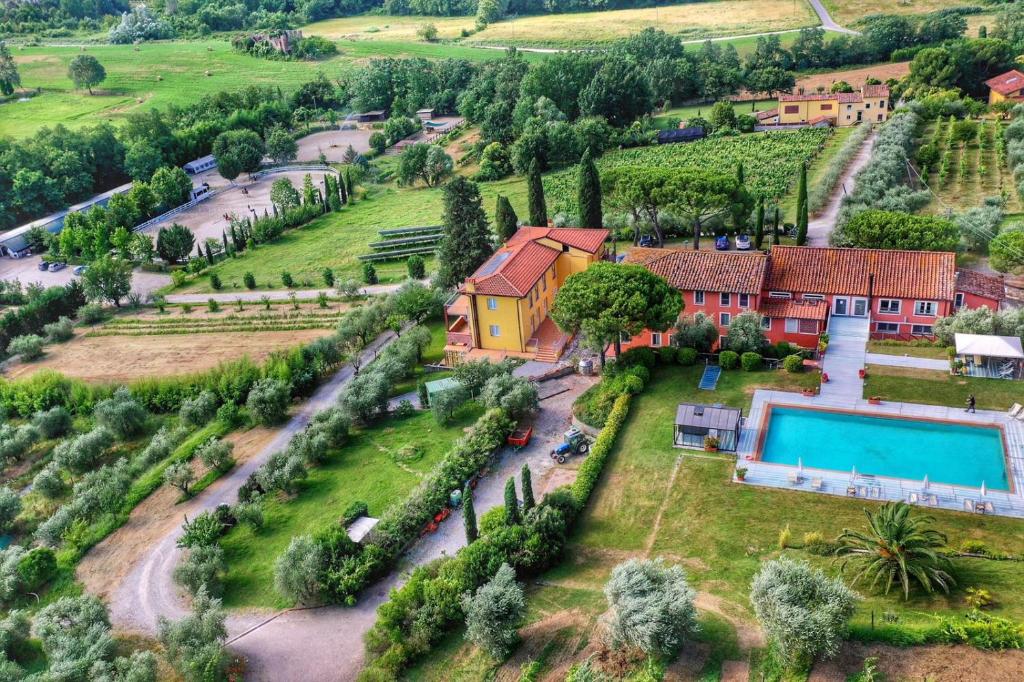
{"x":838,"y":108}
{"x":796,"y":289}
{"x":1005,"y":87}
{"x":503,"y":307}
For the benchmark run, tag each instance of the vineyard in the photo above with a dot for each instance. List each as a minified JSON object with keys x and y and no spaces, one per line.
{"x":771,"y":162}
{"x":965,"y":161}
{"x":181,"y":320}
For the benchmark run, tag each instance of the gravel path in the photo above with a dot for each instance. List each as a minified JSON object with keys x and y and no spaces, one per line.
{"x":827,"y":22}
{"x":819,"y":229}
{"x":278,"y":294}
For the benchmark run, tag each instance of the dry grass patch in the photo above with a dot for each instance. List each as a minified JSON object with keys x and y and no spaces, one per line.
{"x":847,"y":12}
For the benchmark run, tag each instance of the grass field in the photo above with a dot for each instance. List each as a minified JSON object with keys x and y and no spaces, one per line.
{"x":933,"y":352}
{"x":689,"y":21}
{"x":136,"y":346}
{"x":900,"y":384}
{"x":335,"y":240}
{"x":133,"y":76}
{"x":968,"y":172}
{"x":847,"y":12}
{"x":373,"y":468}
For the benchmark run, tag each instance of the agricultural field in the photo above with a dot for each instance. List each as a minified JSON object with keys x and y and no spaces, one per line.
{"x":848,"y":12}
{"x":182,"y":340}
{"x":771,"y":161}
{"x":335,"y":240}
{"x":667,"y":117}
{"x":158,"y":74}
{"x":379,"y":466}
{"x":965,"y":171}
{"x":653,"y":501}
{"x":689,"y":21}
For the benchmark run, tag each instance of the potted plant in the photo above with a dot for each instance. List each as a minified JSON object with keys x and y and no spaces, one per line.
{"x":875,"y":400}
{"x":862,"y":372}
{"x":741,"y":473}
{"x":809,"y":392}
{"x":710,"y":443}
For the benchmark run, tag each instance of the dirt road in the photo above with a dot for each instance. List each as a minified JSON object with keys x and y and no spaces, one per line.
{"x":819,"y":229}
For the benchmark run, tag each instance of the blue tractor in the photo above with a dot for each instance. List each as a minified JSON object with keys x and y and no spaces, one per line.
{"x":573,"y":442}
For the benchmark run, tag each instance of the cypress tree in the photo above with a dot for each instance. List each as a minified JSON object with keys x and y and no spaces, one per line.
{"x":759,"y":225}
{"x":199,"y":250}
{"x":469,"y":515}
{"x":589,"y":193}
{"x":224,"y":238}
{"x":341,"y":188}
{"x":801,"y":208}
{"x":535,"y":190}
{"x":350,"y":186}
{"x":739,"y":173}
{"x":209,"y":254}
{"x":466,"y":241}
{"x":512,"y":517}
{"x":777,"y":228}
{"x":527,"y":482}
{"x":506,"y":222}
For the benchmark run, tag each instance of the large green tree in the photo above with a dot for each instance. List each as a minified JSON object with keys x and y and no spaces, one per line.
{"x":174,"y":243}
{"x":237,"y":152}
{"x":281,"y":146}
{"x":9,"y":77}
{"x":466,"y":241}
{"x":873,"y":229}
{"x":108,"y":279}
{"x":86,"y":71}
{"x":171,"y":186}
{"x":589,"y":193}
{"x":607,"y":300}
{"x":537,"y":207}
{"x":506,"y":222}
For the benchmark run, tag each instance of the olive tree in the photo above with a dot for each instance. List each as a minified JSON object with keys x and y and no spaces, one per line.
{"x":746,"y":334}
{"x":10,"y":507}
{"x":202,"y":568}
{"x":515,"y":395}
{"x":122,"y":414}
{"x":195,"y":644}
{"x":650,"y":606}
{"x":79,"y":453}
{"x":200,"y":409}
{"x":75,"y":634}
{"x":297,"y":571}
{"x":180,"y":475}
{"x":52,"y":423}
{"x":494,"y":613}
{"x":216,"y":454}
{"x":802,"y":610}
{"x":268,"y":401}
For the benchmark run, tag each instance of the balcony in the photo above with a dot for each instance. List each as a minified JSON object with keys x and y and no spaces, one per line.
{"x":458,"y":333}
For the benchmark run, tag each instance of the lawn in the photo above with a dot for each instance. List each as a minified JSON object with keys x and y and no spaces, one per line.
{"x":901,"y":348}
{"x":374,"y":467}
{"x":688,"y":112}
{"x":848,"y":12}
{"x":432,"y":354}
{"x":336,"y":239}
{"x":689,"y":21}
{"x":157,"y":74}
{"x":899,"y":384}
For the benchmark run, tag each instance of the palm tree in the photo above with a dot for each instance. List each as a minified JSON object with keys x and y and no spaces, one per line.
{"x":897,"y":549}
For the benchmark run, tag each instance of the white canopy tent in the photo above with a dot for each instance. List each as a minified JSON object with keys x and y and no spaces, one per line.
{"x":985,"y":355}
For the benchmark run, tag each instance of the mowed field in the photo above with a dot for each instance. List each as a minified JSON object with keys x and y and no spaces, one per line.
{"x":694,"y":20}
{"x":137,"y":346}
{"x":847,"y":12}
{"x":155,"y":75}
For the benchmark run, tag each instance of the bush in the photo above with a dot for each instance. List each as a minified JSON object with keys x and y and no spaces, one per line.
{"x":793,"y":364}
{"x":199,"y":410}
{"x":215,"y":282}
{"x":517,"y":396}
{"x":416,"y":267}
{"x":91,"y":314}
{"x":268,"y":401}
{"x":37,"y":568}
{"x":249,"y":280}
{"x":353,"y":511}
{"x":640,"y":355}
{"x":593,"y":464}
{"x":59,"y":331}
{"x":668,"y":355}
{"x":687,"y":357}
{"x":48,"y":482}
{"x":10,"y":507}
{"x":227,"y":414}
{"x":52,"y":423}
{"x":803,"y":611}
{"x":651,"y":607}
{"x":494,"y":613}
{"x":751,"y":362}
{"x":728,"y":359}
{"x":297,"y":570}
{"x":121,"y":414}
{"x":29,"y":347}
{"x":203,"y":568}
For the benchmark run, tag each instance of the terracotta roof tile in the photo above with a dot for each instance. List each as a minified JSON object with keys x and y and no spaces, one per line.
{"x":689,"y":270}
{"x":585,"y":239}
{"x":767,"y":113}
{"x":928,"y":275}
{"x":980,"y":284}
{"x":1007,"y":83}
{"x":881,"y":90}
{"x":800,"y":310}
{"x":514,"y":269}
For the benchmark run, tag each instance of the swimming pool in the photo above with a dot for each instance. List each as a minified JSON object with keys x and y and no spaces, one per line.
{"x":947,"y":452}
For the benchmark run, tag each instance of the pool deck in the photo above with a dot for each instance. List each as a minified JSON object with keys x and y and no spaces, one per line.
{"x":880,"y":488}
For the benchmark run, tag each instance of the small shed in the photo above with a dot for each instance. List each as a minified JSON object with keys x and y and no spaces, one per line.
{"x":689,"y":134}
{"x":360,"y":529}
{"x":993,"y":357}
{"x":425,"y":114}
{"x":695,"y":421}
{"x":440,"y":386}
{"x":371,"y":116}
{"x":200,"y":165}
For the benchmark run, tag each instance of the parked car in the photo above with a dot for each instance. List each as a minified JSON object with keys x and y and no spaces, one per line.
{"x":43,"y":266}
{"x":646,"y":240}
{"x":80,"y":270}
{"x":55,"y":266}
{"x":742,"y":243}
{"x":722,"y":243}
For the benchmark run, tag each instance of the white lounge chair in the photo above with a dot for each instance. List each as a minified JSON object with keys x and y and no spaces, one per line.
{"x":989,"y":509}
{"x":794,"y":478}
{"x":914,"y":498}
{"x":933,"y":500}
{"x":1015,"y":409}
{"x":969,"y":505}
{"x":876,"y":492}
{"x":816,"y":483}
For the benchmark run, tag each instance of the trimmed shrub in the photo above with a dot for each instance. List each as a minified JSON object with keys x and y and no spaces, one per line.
{"x":593,"y":464}
{"x":29,"y":347}
{"x":687,"y":357}
{"x":640,"y":355}
{"x":793,"y":364}
{"x":667,"y":355}
{"x":751,"y":362}
{"x":728,"y":359}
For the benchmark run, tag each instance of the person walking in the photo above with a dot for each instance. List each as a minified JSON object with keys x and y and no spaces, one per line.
{"x":970,"y":403}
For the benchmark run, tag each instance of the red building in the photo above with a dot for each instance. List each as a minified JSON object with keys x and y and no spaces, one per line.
{"x":797,"y":288}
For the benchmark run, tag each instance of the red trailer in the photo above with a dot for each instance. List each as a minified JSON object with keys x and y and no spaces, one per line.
{"x":521,"y":436}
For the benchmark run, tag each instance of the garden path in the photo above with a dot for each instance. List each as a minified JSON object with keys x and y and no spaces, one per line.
{"x":847,"y":340}
{"x":907,"y":361}
{"x":819,"y":229}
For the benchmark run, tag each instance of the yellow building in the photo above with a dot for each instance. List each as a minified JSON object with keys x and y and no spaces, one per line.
{"x":1005,"y":87}
{"x":503,"y":308}
{"x":837,"y":108}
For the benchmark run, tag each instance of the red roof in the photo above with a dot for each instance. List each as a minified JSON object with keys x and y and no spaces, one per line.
{"x":516,"y":267}
{"x":880,"y":90}
{"x":1007,"y":83}
{"x":980,"y":284}
{"x":927,"y":275}
{"x":690,"y":270}
{"x":800,"y":310}
{"x":767,"y":113}
{"x":585,"y":239}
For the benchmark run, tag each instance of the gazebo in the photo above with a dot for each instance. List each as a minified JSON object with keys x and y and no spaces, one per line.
{"x":992,"y":357}
{"x":695,"y":421}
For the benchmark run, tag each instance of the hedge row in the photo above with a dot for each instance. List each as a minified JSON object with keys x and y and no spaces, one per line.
{"x":51,"y":305}
{"x":590,"y":469}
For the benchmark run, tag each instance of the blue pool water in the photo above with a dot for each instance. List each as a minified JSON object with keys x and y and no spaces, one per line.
{"x":950,"y":453}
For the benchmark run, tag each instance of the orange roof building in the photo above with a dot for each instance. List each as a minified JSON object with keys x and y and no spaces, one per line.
{"x":870,"y":104}
{"x":1006,"y":86}
{"x":502,"y":308}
